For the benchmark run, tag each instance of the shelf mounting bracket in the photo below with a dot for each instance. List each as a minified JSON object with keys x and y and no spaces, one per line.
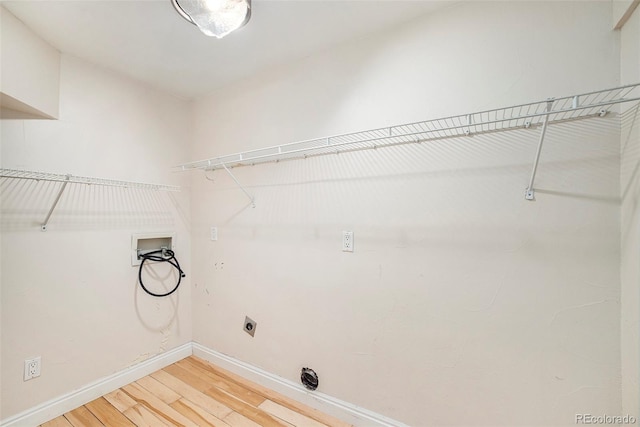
{"x":253,"y":200}
{"x":43,"y":227}
{"x":530,"y":193}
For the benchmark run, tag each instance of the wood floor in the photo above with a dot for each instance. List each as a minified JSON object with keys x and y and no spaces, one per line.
{"x":192,"y":392}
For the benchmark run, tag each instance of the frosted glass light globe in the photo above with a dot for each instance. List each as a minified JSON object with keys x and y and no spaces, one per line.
{"x":215,"y":18}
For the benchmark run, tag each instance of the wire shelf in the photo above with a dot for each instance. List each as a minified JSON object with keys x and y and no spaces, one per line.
{"x":575,"y":107}
{"x":73,"y":179}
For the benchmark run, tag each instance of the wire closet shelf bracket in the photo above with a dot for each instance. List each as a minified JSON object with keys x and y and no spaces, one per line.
{"x":66,"y":179}
{"x":525,"y":116}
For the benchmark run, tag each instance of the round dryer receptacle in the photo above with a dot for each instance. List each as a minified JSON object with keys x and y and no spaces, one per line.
{"x":309,"y":378}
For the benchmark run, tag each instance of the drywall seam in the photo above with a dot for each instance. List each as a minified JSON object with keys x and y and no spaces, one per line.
{"x":346,"y":411}
{"x":58,"y":406}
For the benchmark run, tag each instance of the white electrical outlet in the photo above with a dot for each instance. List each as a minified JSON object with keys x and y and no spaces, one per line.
{"x":214,"y":233}
{"x":31,"y":368}
{"x":347,"y":241}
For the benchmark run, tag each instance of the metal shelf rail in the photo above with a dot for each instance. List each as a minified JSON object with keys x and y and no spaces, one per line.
{"x":73,"y":179}
{"x":550,"y":111}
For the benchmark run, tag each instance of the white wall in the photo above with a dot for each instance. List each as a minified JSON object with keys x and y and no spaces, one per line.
{"x":462,"y":304}
{"x":29,"y":71}
{"x":70,"y":294}
{"x":630,"y":194}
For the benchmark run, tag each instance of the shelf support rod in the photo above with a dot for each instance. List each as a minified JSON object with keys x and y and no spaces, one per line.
{"x":43,"y":227}
{"x":253,"y":202}
{"x":530,"y":192}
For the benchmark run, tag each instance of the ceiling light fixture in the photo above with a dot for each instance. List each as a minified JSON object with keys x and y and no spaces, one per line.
{"x":215,"y":18}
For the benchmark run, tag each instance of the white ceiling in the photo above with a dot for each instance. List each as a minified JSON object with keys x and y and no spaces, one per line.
{"x":149,"y":41}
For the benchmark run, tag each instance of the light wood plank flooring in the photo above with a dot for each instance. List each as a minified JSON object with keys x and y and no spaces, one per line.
{"x":194,"y":393}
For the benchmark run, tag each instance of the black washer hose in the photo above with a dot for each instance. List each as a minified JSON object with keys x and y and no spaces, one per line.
{"x":161,"y":255}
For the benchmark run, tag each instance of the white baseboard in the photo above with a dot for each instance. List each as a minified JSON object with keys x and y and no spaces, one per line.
{"x":56,"y":407}
{"x":346,"y":411}
{"x":329,"y":405}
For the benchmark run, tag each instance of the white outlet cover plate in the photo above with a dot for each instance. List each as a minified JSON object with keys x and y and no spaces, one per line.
{"x":347,"y":241}
{"x":214,"y":234}
{"x":32,"y":368}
